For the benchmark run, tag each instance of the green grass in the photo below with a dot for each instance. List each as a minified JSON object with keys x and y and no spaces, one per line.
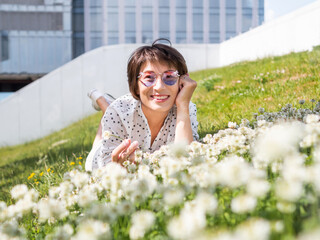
{"x":239,"y":94}
{"x":224,"y":94}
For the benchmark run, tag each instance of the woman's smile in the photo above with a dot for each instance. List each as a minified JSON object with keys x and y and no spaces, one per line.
{"x":160,"y":97}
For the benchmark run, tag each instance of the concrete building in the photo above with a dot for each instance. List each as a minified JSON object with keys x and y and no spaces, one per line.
{"x":38,"y":36}
{"x":108,"y":22}
{"x":35,"y":38}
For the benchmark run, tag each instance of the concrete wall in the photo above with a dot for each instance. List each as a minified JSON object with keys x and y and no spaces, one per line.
{"x":59,"y":98}
{"x":294,"y":32}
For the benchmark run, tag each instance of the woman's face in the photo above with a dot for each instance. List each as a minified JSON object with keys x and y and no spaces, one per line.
{"x":159,"y":97}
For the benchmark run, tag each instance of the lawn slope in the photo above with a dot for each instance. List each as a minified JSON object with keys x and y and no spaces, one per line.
{"x":224,"y":94}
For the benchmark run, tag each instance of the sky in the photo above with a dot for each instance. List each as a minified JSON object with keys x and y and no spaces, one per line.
{"x":277,"y":8}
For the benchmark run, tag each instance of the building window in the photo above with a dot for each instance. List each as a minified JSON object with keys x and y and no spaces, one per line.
{"x":130,"y":26}
{"x":112,"y":3}
{"x":164,"y":3}
{"x":230,"y":18}
{"x":4,"y":44}
{"x":77,"y":28}
{"x":164,"y":23}
{"x":214,"y":3}
{"x":23,"y":2}
{"x":231,"y":4}
{"x":181,"y":20}
{"x":31,"y":21}
{"x":147,"y":21}
{"x":246,"y":15}
{"x":261,"y":11}
{"x":197,"y":29}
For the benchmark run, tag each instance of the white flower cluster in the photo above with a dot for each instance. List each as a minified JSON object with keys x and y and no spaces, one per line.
{"x":264,"y":77}
{"x":181,"y":189}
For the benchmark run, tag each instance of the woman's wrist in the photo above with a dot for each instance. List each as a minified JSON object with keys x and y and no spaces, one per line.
{"x":183,"y":108}
{"x":183,"y":126}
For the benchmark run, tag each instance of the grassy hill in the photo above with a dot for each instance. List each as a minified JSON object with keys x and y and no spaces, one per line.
{"x":224,"y":94}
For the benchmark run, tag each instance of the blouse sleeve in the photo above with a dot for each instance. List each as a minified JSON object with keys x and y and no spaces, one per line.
{"x":113,"y":133}
{"x":193,"y":120}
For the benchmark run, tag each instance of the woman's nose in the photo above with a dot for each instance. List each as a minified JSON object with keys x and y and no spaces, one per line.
{"x":159,"y":83}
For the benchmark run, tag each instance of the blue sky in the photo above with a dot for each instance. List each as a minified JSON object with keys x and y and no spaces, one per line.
{"x":277,"y":8}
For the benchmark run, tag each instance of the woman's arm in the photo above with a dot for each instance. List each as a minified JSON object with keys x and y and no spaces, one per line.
{"x":183,"y":128}
{"x":113,"y":146}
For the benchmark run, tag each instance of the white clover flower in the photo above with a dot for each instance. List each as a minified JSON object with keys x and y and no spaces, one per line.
{"x":258,"y":187}
{"x":3,"y":206}
{"x":66,"y":188}
{"x":132,"y":167}
{"x":106,"y":135}
{"x":32,"y":195}
{"x":138,"y":189}
{"x":293,"y":169}
{"x":51,"y":208}
{"x":124,"y":208}
{"x":289,"y":190}
{"x":79,"y":179}
{"x":310,"y":235}
{"x":189,"y":223}
{"x":232,"y":125}
{"x":86,"y":197}
{"x":262,"y":123}
{"x":142,"y":221}
{"x":178,"y":150}
{"x":233,"y":171}
{"x":173,"y":197}
{"x":207,"y":202}
{"x":170,"y":166}
{"x":61,"y":233}
{"x":11,"y":231}
{"x":92,"y":229}
{"x":309,"y":140}
{"x":114,"y":176}
{"x":286,"y":207}
{"x":54,"y":192}
{"x":312,"y":118}
{"x":243,"y":203}
{"x":253,"y":229}
{"x":205,"y":175}
{"x":106,"y":211}
{"x":24,"y":206}
{"x":19,"y":191}
{"x":278,"y":226}
{"x":276,"y":143}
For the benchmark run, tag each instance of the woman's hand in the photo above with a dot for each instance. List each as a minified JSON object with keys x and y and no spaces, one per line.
{"x":125,"y":151}
{"x":186,"y":89}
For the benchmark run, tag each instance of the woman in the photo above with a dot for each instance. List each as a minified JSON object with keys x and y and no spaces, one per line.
{"x":156,"y":112}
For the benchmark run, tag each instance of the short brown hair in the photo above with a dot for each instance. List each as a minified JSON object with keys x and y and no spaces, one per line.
{"x":157,"y":52}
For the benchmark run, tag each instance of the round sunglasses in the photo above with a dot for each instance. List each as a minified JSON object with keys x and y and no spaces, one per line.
{"x":149,"y":78}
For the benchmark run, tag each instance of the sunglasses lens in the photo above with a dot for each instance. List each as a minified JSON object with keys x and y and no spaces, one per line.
{"x":170,"y":78}
{"x":148,"y":78}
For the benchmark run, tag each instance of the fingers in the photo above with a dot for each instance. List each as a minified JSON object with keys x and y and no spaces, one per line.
{"x":118,"y":150}
{"x":186,"y":79}
{"x":125,"y":151}
{"x":186,"y":89}
{"x":131,"y":149}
